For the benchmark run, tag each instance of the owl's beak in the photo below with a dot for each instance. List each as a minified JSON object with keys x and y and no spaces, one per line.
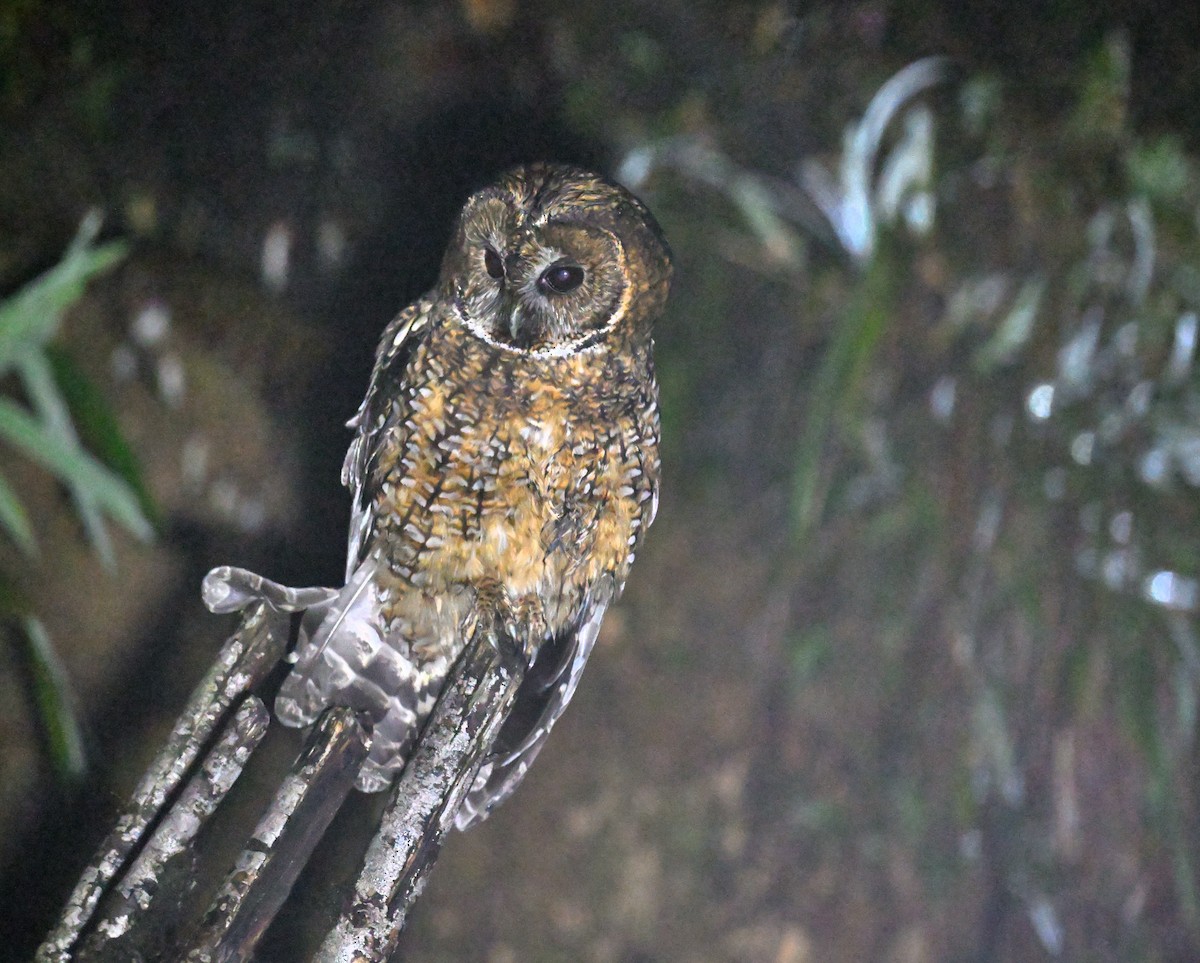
{"x":523,"y":328}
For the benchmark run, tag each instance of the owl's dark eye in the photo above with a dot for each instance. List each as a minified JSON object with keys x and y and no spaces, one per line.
{"x":493,"y":264}
{"x":561,"y":278}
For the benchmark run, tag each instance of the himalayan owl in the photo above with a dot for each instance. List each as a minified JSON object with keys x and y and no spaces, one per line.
{"x":505,"y":465}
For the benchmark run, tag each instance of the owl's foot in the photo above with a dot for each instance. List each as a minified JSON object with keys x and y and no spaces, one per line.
{"x":227,"y":589}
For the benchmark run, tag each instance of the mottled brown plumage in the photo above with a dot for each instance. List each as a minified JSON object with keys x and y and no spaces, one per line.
{"x":505,"y":464}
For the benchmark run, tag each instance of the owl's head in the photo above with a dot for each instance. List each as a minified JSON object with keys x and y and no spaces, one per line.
{"x":553,"y":259}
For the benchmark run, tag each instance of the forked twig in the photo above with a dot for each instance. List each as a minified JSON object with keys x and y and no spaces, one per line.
{"x":129,"y":903}
{"x":244,"y":660}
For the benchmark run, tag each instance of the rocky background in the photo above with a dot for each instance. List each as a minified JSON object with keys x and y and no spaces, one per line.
{"x":909,"y":669}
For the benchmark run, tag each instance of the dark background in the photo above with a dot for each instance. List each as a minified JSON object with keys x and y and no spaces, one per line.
{"x":889,"y":681}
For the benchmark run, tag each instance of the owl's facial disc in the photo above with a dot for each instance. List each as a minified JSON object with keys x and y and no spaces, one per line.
{"x":535,"y":283}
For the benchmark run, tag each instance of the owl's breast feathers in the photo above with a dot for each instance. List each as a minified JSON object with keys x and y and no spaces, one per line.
{"x":481,"y":478}
{"x":534,"y":474}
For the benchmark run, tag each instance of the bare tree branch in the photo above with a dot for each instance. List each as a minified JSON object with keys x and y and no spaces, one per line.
{"x":146,"y":901}
{"x":460,"y":731}
{"x":283,"y":841}
{"x":244,"y":660}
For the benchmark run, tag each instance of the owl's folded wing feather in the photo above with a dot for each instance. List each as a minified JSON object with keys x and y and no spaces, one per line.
{"x":543,"y":696}
{"x":377,"y":414}
{"x":344,"y":655}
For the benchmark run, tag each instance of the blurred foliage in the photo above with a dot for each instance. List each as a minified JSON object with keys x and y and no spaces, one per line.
{"x":45,"y":433}
{"x":998,"y":448}
{"x":54,"y":702}
{"x":1086,"y":518}
{"x":61,"y":406}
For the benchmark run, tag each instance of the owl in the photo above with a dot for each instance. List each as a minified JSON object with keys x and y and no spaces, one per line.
{"x":504,"y":467}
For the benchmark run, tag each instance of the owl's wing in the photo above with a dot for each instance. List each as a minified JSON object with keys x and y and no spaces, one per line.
{"x":344,"y":655}
{"x":379,"y":412}
{"x":544,"y":694}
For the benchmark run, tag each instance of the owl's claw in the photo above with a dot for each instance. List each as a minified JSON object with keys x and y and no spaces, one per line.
{"x":228,"y":589}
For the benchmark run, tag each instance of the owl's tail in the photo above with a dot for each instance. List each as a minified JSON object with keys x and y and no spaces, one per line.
{"x":350,"y":658}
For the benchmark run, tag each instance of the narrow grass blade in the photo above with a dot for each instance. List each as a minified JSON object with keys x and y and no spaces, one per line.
{"x":55,"y":702}
{"x":96,"y":423}
{"x":14,"y":520}
{"x":74,"y":466}
{"x":30,"y":317}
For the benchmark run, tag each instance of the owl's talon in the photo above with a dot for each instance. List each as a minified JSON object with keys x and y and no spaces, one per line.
{"x":228,"y":589}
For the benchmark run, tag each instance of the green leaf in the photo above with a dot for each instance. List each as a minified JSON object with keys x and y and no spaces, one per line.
{"x":73,"y":466}
{"x":98,"y":428}
{"x":56,"y":422}
{"x":14,"y":520}
{"x":838,"y":386}
{"x":1101,"y":114}
{"x":1161,"y":170}
{"x":29,"y":318}
{"x":92,"y":519}
{"x":55,"y":702}
{"x":1013,"y":330}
